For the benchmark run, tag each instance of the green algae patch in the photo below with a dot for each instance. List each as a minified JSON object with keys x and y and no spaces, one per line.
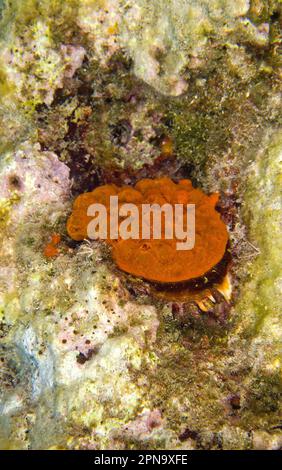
{"x":5,"y":87}
{"x":261,"y":296}
{"x":6,"y":206}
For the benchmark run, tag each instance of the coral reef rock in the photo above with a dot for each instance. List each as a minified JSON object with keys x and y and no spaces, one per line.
{"x":96,"y":92}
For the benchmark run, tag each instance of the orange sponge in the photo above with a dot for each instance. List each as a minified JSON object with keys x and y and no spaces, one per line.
{"x":158,"y":260}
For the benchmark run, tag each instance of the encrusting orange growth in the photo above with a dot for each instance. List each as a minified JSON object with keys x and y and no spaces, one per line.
{"x":158,"y":260}
{"x":55,"y":239}
{"x":51,"y":250}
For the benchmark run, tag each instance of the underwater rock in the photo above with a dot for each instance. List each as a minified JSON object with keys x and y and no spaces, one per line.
{"x":36,"y":175}
{"x":172,"y":40}
{"x":99,"y":92}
